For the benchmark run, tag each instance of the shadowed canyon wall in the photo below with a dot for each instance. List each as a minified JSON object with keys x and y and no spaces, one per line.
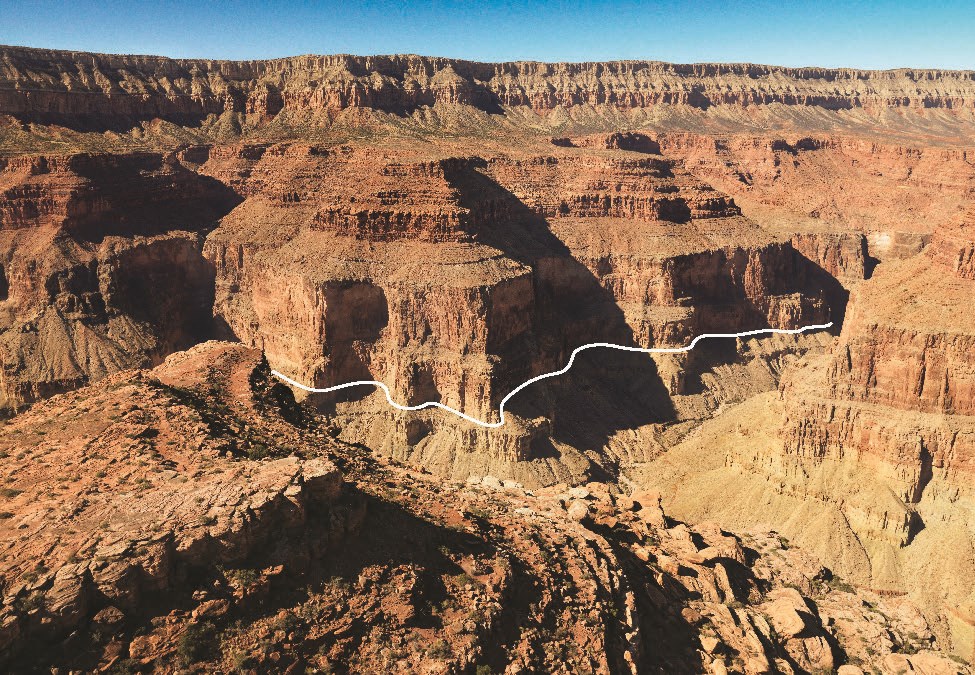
{"x":479,"y":273}
{"x":102,"y":267}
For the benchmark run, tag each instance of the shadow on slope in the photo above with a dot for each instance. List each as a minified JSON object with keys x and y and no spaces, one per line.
{"x":571,"y":308}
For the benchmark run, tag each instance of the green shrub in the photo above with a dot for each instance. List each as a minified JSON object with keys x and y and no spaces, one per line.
{"x":197,"y":642}
{"x":440,"y":650}
{"x":257,"y":450}
{"x":461,"y":580}
{"x":242,"y":578}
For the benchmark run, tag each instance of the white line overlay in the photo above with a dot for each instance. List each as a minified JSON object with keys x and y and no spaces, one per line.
{"x":537,"y":378}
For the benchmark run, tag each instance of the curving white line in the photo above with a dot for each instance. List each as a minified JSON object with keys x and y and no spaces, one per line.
{"x":572,"y":358}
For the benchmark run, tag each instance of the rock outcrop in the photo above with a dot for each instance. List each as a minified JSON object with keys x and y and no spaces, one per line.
{"x":116,"y":495}
{"x":193,"y":516}
{"x":101,"y":266}
{"x":455,"y":279}
{"x":876,"y":444}
{"x":452,"y":229}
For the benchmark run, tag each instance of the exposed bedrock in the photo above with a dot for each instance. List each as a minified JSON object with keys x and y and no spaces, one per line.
{"x":102,"y":267}
{"x":127,"y":537}
{"x":197,"y":498}
{"x":476,"y":274}
{"x":896,"y":395}
{"x":105,"y":91}
{"x":846,"y":200}
{"x":907,"y":346}
{"x":867,"y":456}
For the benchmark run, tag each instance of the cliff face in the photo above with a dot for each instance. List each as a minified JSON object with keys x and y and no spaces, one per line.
{"x":130,"y":564}
{"x":873,"y":441}
{"x":896,"y":394}
{"x":848,"y":202}
{"x":453,"y":229}
{"x":101,"y":267}
{"x":106,"y":102}
{"x":59,"y":85}
{"x":456,"y":279}
{"x":907,"y":345}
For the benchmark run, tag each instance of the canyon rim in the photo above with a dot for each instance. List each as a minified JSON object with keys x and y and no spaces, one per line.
{"x":172,"y":230}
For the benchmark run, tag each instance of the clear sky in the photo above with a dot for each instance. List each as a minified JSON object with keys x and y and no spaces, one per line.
{"x":866,"y":34}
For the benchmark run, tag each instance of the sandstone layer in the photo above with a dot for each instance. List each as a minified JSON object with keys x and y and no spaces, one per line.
{"x":101,"y":267}
{"x":121,"y":101}
{"x":47,"y":82}
{"x":454,"y":279}
{"x":875,"y":445}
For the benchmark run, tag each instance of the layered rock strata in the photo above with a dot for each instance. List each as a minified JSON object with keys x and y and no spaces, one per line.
{"x":452,"y":229}
{"x":101,"y":267}
{"x":457,"y":278}
{"x":871,"y":467}
{"x":57,"y":85}
{"x":848,"y":201}
{"x":193,"y":517}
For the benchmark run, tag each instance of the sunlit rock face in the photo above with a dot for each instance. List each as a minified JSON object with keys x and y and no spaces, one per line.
{"x":452,"y":229}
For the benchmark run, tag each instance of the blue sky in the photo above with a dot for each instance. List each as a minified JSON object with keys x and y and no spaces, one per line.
{"x":877,"y":34}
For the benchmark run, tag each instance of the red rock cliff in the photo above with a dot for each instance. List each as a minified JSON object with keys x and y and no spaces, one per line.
{"x":101,"y":267}
{"x":48,"y":85}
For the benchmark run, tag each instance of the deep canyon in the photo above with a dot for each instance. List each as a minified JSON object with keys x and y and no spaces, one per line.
{"x":172,"y":230}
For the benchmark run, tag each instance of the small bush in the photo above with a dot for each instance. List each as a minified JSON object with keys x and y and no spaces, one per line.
{"x":243,"y":577}
{"x":123,"y":667}
{"x":28,"y":603}
{"x":440,"y":650}
{"x":197,"y":642}
{"x":339,"y":585}
{"x":461,"y":580}
{"x":837,"y":584}
{"x":479,"y":512}
{"x":258,"y":451}
{"x":289,"y":623}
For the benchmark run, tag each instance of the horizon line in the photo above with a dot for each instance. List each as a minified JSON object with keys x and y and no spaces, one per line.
{"x":648,"y":61}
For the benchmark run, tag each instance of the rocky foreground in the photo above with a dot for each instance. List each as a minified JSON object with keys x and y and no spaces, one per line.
{"x":195,"y":517}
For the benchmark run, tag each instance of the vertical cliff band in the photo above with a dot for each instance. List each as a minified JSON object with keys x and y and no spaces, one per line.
{"x":543,"y":376}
